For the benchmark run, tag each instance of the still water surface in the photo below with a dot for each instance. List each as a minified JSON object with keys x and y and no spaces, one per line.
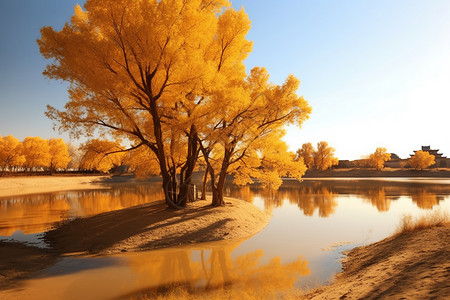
{"x":312,"y":223}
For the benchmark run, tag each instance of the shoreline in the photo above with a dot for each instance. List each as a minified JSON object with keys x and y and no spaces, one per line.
{"x":410,"y":265}
{"x":361,"y":173}
{"x":15,"y":186}
{"x":138,"y":228}
{"x":153,"y":225}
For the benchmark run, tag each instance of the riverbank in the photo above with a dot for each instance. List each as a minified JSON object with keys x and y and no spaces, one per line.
{"x":387,"y":172}
{"x":411,"y":265}
{"x":137,"y":228}
{"x":151,"y":226}
{"x":14,"y":186}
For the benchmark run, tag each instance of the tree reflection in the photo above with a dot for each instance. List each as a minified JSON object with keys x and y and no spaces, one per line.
{"x":321,"y":196}
{"x":377,"y":197}
{"x":213,"y":268}
{"x":37,"y":213}
{"x":426,"y":200}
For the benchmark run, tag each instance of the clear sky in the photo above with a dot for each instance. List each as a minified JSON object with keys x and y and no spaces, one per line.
{"x":377,"y":73}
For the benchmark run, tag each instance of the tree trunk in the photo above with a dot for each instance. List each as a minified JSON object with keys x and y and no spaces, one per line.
{"x":188,"y":168}
{"x":205,"y":180}
{"x":219,"y":186}
{"x":168,"y":194}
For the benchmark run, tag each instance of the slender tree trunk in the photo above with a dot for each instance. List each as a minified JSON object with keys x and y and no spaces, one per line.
{"x":205,"y":180}
{"x":218,"y":191}
{"x":188,"y":168}
{"x":219,"y":186}
{"x":167,"y":188}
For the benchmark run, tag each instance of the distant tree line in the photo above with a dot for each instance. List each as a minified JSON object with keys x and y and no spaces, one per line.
{"x":37,"y":155}
{"x":419,"y":161}
{"x":321,"y":158}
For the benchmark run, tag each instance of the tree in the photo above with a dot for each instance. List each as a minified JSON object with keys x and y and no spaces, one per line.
{"x":37,"y":153}
{"x":252,"y":111}
{"x":307,"y":153}
{"x":101,"y":155}
{"x":139,"y":69}
{"x":272,"y":162}
{"x":10,"y":153}
{"x":142,"y":162}
{"x":168,"y":76}
{"x":324,"y":156}
{"x":59,"y":154}
{"x":378,"y":158}
{"x":421,"y":160}
{"x":75,"y":157}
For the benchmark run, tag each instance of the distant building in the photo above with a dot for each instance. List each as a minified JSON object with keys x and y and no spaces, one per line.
{"x":394,"y":156}
{"x":394,"y":162}
{"x":440,"y":161}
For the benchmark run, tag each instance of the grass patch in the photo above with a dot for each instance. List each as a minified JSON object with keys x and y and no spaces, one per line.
{"x":180,"y":292}
{"x":428,"y":220}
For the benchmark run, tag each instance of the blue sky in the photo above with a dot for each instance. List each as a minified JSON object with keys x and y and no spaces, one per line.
{"x":376,"y":73}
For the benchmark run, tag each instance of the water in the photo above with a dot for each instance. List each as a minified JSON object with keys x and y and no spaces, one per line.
{"x":312,"y":223}
{"x":24,"y":218}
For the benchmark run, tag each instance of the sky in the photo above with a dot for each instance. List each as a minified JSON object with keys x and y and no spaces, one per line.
{"x":376,"y":73}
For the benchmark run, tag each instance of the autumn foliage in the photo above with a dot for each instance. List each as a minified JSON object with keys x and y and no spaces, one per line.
{"x":378,"y":158}
{"x":421,"y":160}
{"x":11,"y":153}
{"x":34,"y":153}
{"x":321,"y":158}
{"x":168,"y":78}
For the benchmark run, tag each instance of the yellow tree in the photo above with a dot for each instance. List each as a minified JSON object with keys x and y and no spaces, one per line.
{"x":378,"y":158}
{"x":75,"y":157}
{"x":306,"y":152}
{"x":324,"y":156}
{"x":10,"y":153}
{"x":138,"y":70}
{"x":421,"y":160}
{"x":269,"y":162}
{"x":142,"y":162}
{"x":251,"y":110}
{"x":101,"y":155}
{"x":59,"y":154}
{"x":37,"y":153}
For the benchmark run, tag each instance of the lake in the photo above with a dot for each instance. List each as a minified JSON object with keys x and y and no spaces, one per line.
{"x":312,"y":223}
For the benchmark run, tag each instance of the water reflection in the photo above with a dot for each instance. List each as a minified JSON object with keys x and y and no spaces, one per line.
{"x":37,"y":213}
{"x":213,"y":267}
{"x":33,"y":214}
{"x":313,"y":196}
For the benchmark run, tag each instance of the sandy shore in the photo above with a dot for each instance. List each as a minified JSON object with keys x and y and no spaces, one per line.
{"x":13,"y":186}
{"x":153,"y":226}
{"x":412,"y":265}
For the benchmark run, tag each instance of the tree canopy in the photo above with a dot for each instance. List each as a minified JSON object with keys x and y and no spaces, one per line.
{"x":321,"y":158}
{"x":11,"y":153}
{"x":37,"y":152}
{"x":59,"y":154}
{"x":421,"y":160}
{"x":378,"y":158}
{"x":168,"y":78}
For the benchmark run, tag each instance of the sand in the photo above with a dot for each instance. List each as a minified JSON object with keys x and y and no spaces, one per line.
{"x":13,"y":186}
{"x":408,"y":266}
{"x":153,"y":226}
